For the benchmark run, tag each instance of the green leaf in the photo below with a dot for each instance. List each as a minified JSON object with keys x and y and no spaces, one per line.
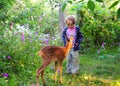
{"x":91,"y":5}
{"x":114,"y":4}
{"x":64,"y":6}
{"x":70,"y":2}
{"x":1,"y":6}
{"x":99,"y":0}
{"x":118,"y":13}
{"x":80,"y":1}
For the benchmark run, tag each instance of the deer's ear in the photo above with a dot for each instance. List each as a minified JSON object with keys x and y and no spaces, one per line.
{"x":67,"y":39}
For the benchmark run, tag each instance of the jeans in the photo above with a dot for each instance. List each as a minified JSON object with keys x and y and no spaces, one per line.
{"x":72,"y":62}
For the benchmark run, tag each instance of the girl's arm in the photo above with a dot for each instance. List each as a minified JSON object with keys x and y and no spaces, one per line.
{"x":63,"y":37}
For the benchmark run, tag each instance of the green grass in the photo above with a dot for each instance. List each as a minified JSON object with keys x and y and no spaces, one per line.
{"x":95,"y":70}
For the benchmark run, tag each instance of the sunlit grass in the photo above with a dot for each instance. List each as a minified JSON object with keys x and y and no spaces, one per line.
{"x":94,"y":71}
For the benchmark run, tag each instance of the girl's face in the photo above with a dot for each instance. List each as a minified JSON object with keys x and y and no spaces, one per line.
{"x":70,"y":24}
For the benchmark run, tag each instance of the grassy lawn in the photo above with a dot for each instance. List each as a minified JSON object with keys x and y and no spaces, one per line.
{"x":95,"y":70}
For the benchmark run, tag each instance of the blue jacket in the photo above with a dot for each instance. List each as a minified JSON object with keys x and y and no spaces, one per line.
{"x":78,"y":38}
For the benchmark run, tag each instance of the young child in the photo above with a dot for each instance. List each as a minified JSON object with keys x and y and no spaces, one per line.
{"x":72,"y":58}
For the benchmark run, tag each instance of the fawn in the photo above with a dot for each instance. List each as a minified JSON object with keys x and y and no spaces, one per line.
{"x":55,"y":54}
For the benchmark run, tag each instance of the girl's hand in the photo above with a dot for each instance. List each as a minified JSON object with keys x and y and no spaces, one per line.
{"x":76,"y":44}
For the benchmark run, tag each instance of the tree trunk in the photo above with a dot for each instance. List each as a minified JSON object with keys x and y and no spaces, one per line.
{"x":61,"y":19}
{"x":52,"y":32}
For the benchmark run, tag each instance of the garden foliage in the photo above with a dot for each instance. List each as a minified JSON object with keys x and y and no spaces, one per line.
{"x":25,"y":27}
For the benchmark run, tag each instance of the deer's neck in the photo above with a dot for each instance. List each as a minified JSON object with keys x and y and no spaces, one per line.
{"x":66,"y":50}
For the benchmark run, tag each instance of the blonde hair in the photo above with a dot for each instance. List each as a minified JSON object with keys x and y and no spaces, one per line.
{"x":72,"y":18}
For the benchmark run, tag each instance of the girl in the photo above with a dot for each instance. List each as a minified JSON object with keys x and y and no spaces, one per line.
{"x":72,"y":58}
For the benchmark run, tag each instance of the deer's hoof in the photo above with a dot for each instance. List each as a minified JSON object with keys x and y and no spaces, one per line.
{"x":61,"y":82}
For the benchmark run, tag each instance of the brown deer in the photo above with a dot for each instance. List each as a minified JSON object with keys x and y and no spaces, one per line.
{"x":53,"y":53}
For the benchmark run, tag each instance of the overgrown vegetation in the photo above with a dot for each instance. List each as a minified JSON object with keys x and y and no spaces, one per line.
{"x":26,"y":26}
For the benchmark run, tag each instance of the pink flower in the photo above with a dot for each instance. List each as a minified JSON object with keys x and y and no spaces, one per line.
{"x":103,"y":45}
{"x":47,"y":41}
{"x":8,"y":57}
{"x":36,"y":33}
{"x":29,"y":37}
{"x":22,"y":37}
{"x":5,"y":75}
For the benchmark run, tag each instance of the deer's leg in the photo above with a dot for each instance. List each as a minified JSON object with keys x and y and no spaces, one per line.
{"x":42,"y":74}
{"x":38,"y":74}
{"x":41,"y":71}
{"x":60,"y":72}
{"x":56,"y":67}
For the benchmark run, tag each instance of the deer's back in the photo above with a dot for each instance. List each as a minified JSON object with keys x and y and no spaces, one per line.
{"x":52,"y":52}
